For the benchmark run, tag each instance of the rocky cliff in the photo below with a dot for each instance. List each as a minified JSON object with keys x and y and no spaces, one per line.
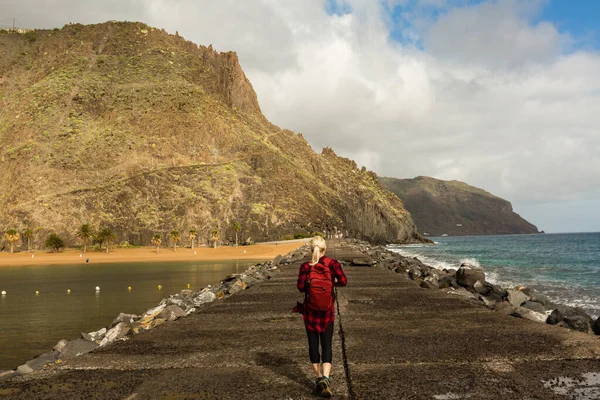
{"x":126,"y":126}
{"x":455,"y":208}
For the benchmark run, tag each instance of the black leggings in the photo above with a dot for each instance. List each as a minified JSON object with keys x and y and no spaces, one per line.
{"x":313,"y":344}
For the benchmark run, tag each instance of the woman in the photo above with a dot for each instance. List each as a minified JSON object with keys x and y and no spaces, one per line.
{"x":318,"y":311}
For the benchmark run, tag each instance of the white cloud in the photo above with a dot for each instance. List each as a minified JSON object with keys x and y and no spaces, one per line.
{"x":493,"y":98}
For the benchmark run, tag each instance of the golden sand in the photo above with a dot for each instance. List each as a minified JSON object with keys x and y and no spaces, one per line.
{"x":148,"y":254}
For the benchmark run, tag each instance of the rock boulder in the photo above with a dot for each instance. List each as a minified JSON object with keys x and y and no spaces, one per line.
{"x":467,"y":277}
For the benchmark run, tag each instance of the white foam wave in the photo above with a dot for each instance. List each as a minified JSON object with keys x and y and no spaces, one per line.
{"x":432,"y":262}
{"x":470,"y":261}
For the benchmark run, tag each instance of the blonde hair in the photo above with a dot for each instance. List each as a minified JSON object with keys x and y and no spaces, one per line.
{"x":318,"y":247}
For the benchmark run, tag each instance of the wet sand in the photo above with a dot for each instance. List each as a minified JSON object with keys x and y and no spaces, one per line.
{"x":148,"y":254}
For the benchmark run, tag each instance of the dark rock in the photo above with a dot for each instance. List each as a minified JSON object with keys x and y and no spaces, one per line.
{"x":94,"y":336}
{"x":5,"y":375}
{"x":230,"y":278}
{"x":596,"y":326}
{"x":447,"y":281}
{"x":535,"y":306}
{"x":561,"y":312}
{"x":47,"y":358}
{"x":428,"y":285}
{"x":482,"y":288}
{"x":491,"y":299}
{"x":467,"y":277}
{"x":539,"y":298}
{"x":414,"y":274}
{"x":60,"y":345}
{"x":363,"y":262}
{"x":497,"y":290}
{"x":470,"y":266}
{"x":77,"y":347}
{"x":24,"y":369}
{"x":238,"y":286}
{"x":461,"y":291}
{"x":171,"y":313}
{"x":126,"y":318}
{"x":117,"y":332}
{"x":576,"y":323}
{"x":531,"y":315}
{"x":516,"y":297}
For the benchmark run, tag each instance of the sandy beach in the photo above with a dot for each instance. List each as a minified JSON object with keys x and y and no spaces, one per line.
{"x":265,"y":251}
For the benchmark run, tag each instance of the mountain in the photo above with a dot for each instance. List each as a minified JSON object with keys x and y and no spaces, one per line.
{"x":455,"y":208}
{"x":126,"y":126}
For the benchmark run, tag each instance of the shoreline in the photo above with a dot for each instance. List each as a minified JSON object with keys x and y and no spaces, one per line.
{"x":517,"y":270}
{"x":148,"y":254}
{"x":173,"y":307}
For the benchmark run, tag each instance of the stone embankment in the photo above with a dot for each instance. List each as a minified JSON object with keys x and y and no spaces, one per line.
{"x":469,"y":282}
{"x":394,"y":340}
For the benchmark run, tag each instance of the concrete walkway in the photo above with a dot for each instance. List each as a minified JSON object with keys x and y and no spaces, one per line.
{"x":397,"y":341}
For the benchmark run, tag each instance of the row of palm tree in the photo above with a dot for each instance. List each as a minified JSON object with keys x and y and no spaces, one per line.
{"x":175,"y":237}
{"x":106,"y":236}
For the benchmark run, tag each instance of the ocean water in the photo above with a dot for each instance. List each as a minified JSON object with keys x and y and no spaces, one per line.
{"x":565,"y":267}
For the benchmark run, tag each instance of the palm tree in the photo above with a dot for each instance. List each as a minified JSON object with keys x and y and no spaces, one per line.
{"x":236,"y":228}
{"x":106,"y":235}
{"x":54,"y":242}
{"x":156,"y":240}
{"x":214,"y":236}
{"x":12,"y":236}
{"x":193,"y":234}
{"x":175,"y":238}
{"x":28,"y":234}
{"x":86,"y":235}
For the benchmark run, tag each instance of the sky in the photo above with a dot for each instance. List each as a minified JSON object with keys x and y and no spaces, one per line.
{"x":501,"y":94}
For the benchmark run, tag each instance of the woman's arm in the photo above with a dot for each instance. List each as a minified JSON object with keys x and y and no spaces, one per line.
{"x":338,"y":272}
{"x":301,"y":284}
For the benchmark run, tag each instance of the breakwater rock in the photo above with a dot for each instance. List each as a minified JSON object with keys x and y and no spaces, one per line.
{"x":169,"y":309}
{"x":468,"y":282}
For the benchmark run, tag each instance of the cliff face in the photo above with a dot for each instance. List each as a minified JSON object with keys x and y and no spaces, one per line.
{"x":126,"y":126}
{"x":455,"y":208}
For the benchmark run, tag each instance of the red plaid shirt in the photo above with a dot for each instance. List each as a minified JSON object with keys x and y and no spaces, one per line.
{"x":313,"y":319}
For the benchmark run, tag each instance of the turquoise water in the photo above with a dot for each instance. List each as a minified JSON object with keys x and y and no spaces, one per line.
{"x":566,"y":267}
{"x":31,"y":324}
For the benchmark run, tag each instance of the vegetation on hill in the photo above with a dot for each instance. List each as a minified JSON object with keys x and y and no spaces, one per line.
{"x":455,"y":208}
{"x":126,"y":127}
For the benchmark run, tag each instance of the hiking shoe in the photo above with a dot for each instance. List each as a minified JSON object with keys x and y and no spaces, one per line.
{"x":325,"y":386}
{"x":318,"y":385}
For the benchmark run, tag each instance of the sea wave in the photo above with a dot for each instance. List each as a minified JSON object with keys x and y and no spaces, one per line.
{"x":557,"y":292}
{"x":432,"y":262}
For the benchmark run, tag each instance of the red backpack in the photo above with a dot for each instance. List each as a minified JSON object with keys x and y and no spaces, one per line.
{"x":320,"y":286}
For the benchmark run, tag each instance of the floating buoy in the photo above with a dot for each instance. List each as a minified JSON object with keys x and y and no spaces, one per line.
{"x":189,"y":286}
{"x":68,"y":291}
{"x":32,"y":256}
{"x":194,"y":252}
{"x":244,"y":251}
{"x":37,"y":292}
{"x":129,"y":288}
{"x":97,"y":288}
{"x":4,"y":293}
{"x":81,"y":255}
{"x":159,"y":287}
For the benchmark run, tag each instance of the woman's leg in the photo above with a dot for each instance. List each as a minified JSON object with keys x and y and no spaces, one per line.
{"x":326,"y":348}
{"x":313,"y":350}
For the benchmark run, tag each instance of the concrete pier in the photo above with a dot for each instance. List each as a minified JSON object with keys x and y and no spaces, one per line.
{"x":394,"y":340}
